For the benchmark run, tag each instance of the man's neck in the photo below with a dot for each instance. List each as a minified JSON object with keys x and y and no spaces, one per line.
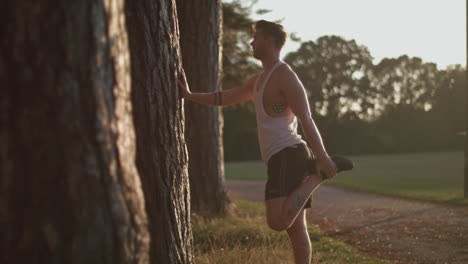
{"x":270,"y":61}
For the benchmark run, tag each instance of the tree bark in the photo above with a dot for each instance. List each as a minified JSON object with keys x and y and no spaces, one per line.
{"x":201,"y":35}
{"x":465,"y":189}
{"x":159,"y":125}
{"x":70,"y":191}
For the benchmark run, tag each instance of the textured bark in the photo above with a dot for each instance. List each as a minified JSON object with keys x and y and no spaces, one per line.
{"x":70,"y":192}
{"x":466,"y":122}
{"x":200,"y":29}
{"x":158,"y":118}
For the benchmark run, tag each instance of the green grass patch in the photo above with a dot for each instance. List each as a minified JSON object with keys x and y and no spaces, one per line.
{"x":245,"y":238}
{"x":246,"y":170}
{"x":436,"y":177}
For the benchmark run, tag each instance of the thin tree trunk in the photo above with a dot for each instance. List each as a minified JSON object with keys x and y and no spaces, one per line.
{"x":70,"y":191}
{"x":159,"y":124}
{"x":201,"y":35}
{"x":465,"y":189}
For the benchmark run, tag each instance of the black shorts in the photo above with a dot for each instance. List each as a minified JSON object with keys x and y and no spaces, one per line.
{"x":286,"y":171}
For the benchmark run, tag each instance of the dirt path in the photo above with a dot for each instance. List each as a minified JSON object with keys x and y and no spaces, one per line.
{"x":401,"y":230}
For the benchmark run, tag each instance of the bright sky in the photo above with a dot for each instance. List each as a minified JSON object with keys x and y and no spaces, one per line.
{"x":434,"y":30}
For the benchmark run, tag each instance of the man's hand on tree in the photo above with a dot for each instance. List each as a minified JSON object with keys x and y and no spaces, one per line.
{"x":182,"y":84}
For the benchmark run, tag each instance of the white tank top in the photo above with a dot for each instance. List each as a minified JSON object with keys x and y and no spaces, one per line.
{"x":274,"y":133}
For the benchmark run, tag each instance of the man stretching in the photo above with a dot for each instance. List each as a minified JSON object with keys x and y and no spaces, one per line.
{"x":280,"y":99}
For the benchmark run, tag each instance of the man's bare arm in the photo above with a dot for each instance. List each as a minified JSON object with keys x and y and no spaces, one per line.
{"x":220,"y":98}
{"x":296,"y":98}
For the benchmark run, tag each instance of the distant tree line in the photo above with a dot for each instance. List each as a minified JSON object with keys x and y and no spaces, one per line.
{"x":398,"y":105}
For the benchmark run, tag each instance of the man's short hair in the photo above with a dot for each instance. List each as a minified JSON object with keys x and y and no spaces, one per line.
{"x":272,"y":29}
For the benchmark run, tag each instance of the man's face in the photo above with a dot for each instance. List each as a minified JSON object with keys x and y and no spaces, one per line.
{"x":260,"y":44}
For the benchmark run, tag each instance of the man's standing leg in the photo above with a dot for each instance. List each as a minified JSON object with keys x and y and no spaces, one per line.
{"x":300,"y":240}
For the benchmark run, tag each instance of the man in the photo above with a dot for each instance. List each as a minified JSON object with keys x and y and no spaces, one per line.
{"x":280,"y":99}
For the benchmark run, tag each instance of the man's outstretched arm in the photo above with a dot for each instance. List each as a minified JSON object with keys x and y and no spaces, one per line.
{"x":219,"y":98}
{"x":296,"y":98}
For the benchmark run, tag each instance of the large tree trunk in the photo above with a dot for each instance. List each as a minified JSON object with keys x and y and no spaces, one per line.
{"x":159,"y":120}
{"x":70,"y":192}
{"x":200,"y":30}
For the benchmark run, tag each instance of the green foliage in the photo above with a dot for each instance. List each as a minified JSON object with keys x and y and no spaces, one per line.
{"x":335,"y":72}
{"x":238,"y":63}
{"x":404,"y":82}
{"x":240,"y":134}
{"x":450,"y":99}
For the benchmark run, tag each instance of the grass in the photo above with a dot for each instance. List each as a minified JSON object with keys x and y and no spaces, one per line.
{"x":245,"y":238}
{"x":436,"y":177}
{"x":246,"y":170}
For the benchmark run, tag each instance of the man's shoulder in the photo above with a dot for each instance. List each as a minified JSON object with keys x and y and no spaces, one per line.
{"x":286,"y":73}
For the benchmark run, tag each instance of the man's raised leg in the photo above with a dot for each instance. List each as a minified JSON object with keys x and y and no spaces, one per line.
{"x":281,"y":212}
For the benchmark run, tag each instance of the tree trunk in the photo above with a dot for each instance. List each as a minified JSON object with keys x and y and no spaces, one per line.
{"x":159,"y":125}
{"x":200,"y":30}
{"x":465,"y":189}
{"x":70,"y":191}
